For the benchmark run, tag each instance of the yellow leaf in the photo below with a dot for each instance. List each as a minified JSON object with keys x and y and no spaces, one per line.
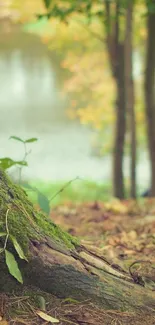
{"x":3,"y":322}
{"x":116,"y":206}
{"x":46,"y":317}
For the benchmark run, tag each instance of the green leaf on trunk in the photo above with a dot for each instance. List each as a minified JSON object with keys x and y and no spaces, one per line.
{"x":44,"y":203}
{"x":2,"y":234}
{"x":18,"y":248}
{"x":13,"y":266}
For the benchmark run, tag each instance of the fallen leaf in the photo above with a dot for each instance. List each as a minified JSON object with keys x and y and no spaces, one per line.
{"x":46,"y":317}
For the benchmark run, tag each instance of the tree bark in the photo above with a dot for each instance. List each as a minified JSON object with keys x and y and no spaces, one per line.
{"x":116,"y":58}
{"x":150,"y":95}
{"x":129,"y":90}
{"x":120,"y":128}
{"x":57,"y":263}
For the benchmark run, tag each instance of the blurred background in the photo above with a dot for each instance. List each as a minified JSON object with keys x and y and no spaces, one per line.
{"x":77,"y":78}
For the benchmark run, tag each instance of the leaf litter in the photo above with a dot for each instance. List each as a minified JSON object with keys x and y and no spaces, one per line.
{"x":124,"y":232}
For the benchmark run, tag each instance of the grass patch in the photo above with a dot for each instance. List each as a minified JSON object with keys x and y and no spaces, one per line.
{"x":78,"y":191}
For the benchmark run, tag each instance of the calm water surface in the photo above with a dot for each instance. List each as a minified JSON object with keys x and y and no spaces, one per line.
{"x":31,"y":105}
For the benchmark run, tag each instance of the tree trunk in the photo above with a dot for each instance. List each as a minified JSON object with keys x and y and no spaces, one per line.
{"x":120,"y":125}
{"x":129,"y":90}
{"x":57,"y":263}
{"x":116,"y":58}
{"x":150,"y":95}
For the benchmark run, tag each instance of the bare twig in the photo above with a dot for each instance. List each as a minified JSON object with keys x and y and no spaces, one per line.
{"x":62,"y":189}
{"x":68,"y":321}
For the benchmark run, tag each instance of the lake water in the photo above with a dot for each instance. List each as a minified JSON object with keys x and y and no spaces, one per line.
{"x":31,"y":105}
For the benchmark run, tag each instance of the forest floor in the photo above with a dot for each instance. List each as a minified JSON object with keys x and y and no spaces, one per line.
{"x":124,"y":233}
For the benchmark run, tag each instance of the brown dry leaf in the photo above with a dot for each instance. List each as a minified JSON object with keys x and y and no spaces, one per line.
{"x":132,"y":235}
{"x":46,"y":317}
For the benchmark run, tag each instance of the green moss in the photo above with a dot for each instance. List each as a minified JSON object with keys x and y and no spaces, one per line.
{"x":24,"y":222}
{"x":51,"y":229}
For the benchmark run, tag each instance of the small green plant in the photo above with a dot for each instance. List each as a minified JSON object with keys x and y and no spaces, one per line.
{"x":9,"y":257}
{"x":26,"y":152}
{"x":7,"y":162}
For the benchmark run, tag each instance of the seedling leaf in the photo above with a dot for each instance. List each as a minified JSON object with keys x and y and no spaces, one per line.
{"x":18,"y":248}
{"x":13,"y":266}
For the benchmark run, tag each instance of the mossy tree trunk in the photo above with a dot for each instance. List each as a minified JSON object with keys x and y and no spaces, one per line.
{"x":57,"y":263}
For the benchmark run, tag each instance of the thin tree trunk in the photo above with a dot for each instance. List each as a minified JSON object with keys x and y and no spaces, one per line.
{"x":150,"y":94}
{"x":129,"y":90}
{"x":57,"y":263}
{"x":116,"y":58}
{"x":120,"y":126}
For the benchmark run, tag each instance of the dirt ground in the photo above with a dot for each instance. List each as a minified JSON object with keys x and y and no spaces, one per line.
{"x":23,"y":309}
{"x":124,"y":233}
